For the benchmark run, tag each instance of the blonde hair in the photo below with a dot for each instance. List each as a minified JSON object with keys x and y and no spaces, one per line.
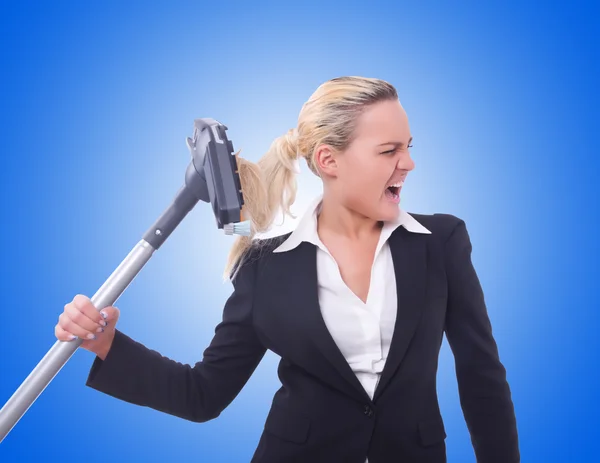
{"x":328,"y":117}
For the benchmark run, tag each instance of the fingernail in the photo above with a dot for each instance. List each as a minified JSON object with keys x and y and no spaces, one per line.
{"x":73,"y":337}
{"x":99,"y":329}
{"x":103,"y":314}
{"x":91,"y":336}
{"x":102,"y":322}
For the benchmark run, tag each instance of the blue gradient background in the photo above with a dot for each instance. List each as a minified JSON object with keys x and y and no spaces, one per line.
{"x":96,"y":103}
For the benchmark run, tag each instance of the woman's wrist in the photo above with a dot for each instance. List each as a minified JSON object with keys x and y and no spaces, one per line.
{"x":102,"y":350}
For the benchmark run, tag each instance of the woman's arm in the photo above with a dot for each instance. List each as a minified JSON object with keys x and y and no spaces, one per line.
{"x":484,"y":392}
{"x":136,"y":374}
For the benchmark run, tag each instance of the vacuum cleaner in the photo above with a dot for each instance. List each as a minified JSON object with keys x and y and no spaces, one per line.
{"x":212,"y":176}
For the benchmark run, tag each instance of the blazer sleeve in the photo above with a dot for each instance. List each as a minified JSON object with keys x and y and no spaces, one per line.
{"x":484,"y":393}
{"x":141,"y":376}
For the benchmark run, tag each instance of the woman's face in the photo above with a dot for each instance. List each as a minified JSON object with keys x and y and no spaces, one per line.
{"x":378,"y":157}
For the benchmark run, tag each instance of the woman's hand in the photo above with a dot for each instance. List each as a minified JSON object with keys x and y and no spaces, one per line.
{"x":81,"y":319}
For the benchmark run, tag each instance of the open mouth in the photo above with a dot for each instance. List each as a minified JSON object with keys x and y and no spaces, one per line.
{"x":392,"y":192}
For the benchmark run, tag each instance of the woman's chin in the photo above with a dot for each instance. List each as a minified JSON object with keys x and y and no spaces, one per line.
{"x":389,"y":212}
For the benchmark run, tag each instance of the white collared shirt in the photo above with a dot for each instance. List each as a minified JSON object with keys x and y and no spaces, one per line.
{"x":362,"y":331}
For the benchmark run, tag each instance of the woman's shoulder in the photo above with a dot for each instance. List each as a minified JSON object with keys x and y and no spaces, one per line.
{"x":268,"y":244}
{"x":441,"y":224}
{"x":260,"y":248}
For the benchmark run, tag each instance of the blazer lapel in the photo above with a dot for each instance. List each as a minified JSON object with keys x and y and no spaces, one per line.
{"x":303,"y":291}
{"x":409,"y":254}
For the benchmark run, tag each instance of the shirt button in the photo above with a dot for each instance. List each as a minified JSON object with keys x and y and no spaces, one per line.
{"x":368,"y":411}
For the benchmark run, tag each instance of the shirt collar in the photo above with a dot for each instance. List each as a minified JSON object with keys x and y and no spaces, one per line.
{"x":306,"y":230}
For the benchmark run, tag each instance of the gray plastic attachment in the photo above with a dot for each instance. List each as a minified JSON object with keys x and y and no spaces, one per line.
{"x":213,"y":159}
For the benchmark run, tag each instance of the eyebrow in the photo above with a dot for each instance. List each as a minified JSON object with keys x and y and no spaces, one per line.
{"x":396,"y":143}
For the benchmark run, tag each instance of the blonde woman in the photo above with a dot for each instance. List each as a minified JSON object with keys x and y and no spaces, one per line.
{"x":355,"y":301}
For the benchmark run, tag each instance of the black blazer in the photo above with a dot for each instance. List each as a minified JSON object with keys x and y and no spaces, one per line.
{"x":321,"y":413}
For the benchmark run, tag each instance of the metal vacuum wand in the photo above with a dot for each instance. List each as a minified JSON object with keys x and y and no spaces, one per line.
{"x":211,"y":176}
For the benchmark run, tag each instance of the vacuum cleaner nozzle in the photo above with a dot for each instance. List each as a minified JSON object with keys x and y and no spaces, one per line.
{"x":214,"y":176}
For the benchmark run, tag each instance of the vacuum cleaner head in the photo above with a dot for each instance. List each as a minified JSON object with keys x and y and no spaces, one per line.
{"x":213,"y":161}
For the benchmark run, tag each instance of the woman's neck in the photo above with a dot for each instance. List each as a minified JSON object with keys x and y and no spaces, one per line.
{"x":336,"y":220}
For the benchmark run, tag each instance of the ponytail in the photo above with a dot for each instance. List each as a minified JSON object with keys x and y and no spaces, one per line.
{"x":267,"y":187}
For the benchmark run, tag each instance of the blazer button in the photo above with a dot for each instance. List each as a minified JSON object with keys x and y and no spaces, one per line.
{"x":368,"y":411}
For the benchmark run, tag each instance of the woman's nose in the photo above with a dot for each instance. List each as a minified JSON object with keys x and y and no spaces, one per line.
{"x":405,"y":163}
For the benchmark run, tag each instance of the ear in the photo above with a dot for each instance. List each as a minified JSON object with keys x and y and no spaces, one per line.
{"x":326,"y":160}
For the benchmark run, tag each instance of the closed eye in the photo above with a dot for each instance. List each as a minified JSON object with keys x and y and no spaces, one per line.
{"x":394,"y":150}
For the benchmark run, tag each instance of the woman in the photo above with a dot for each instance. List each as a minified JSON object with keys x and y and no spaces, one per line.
{"x":355,"y":301}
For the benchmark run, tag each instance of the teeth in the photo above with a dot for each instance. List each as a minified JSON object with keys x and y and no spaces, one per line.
{"x":399,"y":184}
